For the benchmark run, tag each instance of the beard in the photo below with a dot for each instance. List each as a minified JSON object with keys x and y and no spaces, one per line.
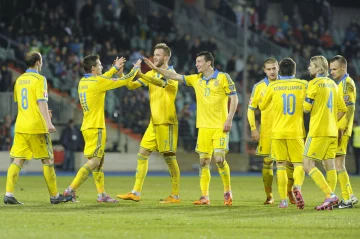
{"x":159,"y":63}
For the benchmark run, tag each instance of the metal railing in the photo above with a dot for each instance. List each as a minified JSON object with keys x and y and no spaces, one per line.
{"x":62,"y":108}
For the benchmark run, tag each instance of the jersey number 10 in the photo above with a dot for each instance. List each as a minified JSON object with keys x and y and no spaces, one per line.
{"x":287,"y":100}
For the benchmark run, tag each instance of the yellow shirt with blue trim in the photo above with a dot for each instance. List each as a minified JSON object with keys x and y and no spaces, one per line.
{"x":92,"y":90}
{"x":286,"y":95}
{"x":162,"y":99}
{"x":324,"y":101}
{"x":212,"y":95}
{"x":347,"y":89}
{"x":257,"y":93}
{"x":29,"y":89}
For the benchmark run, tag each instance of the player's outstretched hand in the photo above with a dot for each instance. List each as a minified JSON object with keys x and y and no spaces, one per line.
{"x":119,"y":62}
{"x":149,"y":63}
{"x":138,"y":63}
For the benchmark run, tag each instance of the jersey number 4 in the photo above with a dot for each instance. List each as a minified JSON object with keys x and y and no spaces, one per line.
{"x":330,"y":102}
{"x":289,"y":104}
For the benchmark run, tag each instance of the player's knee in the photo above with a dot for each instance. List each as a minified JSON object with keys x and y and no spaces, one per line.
{"x":144,"y":152}
{"x":340,"y":164}
{"x":280,"y":163}
{"x":308,"y":164}
{"x":204,"y":160}
{"x":268,"y":161}
{"x":19,"y":162}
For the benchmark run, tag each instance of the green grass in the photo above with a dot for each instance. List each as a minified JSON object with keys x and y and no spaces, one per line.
{"x":247,"y":218}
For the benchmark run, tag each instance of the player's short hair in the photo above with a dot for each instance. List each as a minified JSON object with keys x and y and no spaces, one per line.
{"x":31,"y":58}
{"x":207,"y":56}
{"x":339,"y":59}
{"x":90,"y":61}
{"x":164,"y":47}
{"x":270,"y":60}
{"x":287,"y":67}
{"x":321,"y":65}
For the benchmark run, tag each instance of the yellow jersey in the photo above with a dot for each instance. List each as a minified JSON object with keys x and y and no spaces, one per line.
{"x":162,"y":99}
{"x":30,"y":88}
{"x":266,"y":115}
{"x":92,"y":90}
{"x":348,"y":90}
{"x":324,"y":102}
{"x":212,"y":96}
{"x":286,"y":95}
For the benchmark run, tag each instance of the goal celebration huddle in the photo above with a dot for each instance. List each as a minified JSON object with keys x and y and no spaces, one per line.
{"x":282,"y":99}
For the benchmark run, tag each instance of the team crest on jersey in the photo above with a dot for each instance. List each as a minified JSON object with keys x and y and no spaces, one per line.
{"x":250,"y":101}
{"x":216,"y":83}
{"x":231,"y":87}
{"x":346,"y":98}
{"x":45,"y":94}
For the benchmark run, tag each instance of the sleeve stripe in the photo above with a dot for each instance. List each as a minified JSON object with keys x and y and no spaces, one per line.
{"x":184,"y":80}
{"x":310,"y":101}
{"x":350,"y":103}
{"x":41,"y":100}
{"x":142,"y":83}
{"x":252,"y":108}
{"x":232,"y":93}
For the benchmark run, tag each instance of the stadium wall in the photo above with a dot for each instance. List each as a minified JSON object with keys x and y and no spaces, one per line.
{"x":126,"y":162}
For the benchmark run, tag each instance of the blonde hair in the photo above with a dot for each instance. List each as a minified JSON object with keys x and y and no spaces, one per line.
{"x":321,"y":65}
{"x":164,"y":47}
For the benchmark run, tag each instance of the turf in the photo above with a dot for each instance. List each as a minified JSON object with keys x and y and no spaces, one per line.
{"x":247,"y":218}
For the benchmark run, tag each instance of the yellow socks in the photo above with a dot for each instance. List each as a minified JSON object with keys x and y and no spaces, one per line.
{"x":141,"y":171}
{"x":12,"y":177}
{"x":299,"y":176}
{"x":205,"y":177}
{"x":99,"y":179}
{"x":290,"y":175}
{"x":268,"y":175}
{"x":320,"y":181}
{"x":282,"y":181}
{"x":331,"y":178}
{"x":344,"y":184}
{"x":224,"y":171}
{"x":50,"y":178}
{"x":81,"y":176}
{"x":174,"y":174}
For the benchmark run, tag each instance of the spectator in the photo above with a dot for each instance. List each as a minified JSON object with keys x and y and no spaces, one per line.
{"x":70,"y":140}
{"x":5,"y":79}
{"x":5,"y":134}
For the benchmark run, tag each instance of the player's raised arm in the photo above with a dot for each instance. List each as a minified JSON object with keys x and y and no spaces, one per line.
{"x":117,"y":67}
{"x":166,"y":73}
{"x":113,"y":83}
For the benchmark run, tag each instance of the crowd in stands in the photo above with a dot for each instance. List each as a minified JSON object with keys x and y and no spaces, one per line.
{"x":113,"y":28}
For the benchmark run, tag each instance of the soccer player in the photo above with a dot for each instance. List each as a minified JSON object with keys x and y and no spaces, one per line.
{"x":92,"y":90}
{"x":338,"y":68}
{"x":212,"y":89}
{"x":271,"y":69}
{"x":287,"y":139}
{"x":32,"y":128}
{"x":162,"y":132}
{"x":327,"y":107}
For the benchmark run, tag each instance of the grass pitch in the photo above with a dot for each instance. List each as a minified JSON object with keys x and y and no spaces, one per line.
{"x":247,"y":218}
